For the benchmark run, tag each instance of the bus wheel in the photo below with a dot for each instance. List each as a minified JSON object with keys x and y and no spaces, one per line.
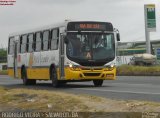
{"x":62,"y":83}
{"x":32,"y":81}
{"x":55,"y":82}
{"x":98,"y":82}
{"x":26,"y":81}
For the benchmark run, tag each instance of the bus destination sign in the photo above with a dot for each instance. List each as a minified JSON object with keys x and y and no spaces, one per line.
{"x":89,"y":26}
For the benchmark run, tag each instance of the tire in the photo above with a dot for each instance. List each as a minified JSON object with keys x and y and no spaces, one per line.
{"x":26,"y":81}
{"x":97,"y":83}
{"x":32,"y":82}
{"x":62,"y":83}
{"x":55,"y":82}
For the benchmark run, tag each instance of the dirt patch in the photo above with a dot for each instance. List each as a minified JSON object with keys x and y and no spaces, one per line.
{"x":107,"y":105}
{"x":50,"y":101}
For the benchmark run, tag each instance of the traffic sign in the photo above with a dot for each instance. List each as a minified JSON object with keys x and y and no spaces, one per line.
{"x":158,"y":53}
{"x":150,"y":17}
{"x":150,"y":23}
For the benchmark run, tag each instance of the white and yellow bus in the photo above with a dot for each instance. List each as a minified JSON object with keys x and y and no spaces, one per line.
{"x":68,"y":52}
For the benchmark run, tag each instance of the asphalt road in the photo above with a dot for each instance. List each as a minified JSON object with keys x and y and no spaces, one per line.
{"x":124,"y":88}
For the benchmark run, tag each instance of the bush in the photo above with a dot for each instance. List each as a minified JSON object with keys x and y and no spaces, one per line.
{"x":130,"y":70}
{"x":3,"y":72}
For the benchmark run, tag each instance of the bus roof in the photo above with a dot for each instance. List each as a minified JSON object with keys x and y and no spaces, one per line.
{"x":39,"y":29}
{"x":63,"y":24}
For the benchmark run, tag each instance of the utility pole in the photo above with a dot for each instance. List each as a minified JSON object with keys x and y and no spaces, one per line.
{"x":148,"y":43}
{"x":150,"y":24}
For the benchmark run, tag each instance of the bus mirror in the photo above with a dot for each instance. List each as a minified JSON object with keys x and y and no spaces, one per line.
{"x":66,"y":39}
{"x":118,"y":37}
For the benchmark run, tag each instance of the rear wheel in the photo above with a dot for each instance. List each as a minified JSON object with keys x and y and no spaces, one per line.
{"x":98,"y":82}
{"x":27,"y":81}
{"x":55,"y":82}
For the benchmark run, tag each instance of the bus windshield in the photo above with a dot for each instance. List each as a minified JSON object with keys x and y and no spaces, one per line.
{"x":91,"y":47}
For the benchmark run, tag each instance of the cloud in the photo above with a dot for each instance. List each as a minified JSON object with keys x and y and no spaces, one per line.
{"x":53,"y":2}
{"x":126,"y":15}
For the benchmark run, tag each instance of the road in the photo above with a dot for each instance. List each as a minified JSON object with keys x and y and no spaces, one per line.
{"x":124,"y":88}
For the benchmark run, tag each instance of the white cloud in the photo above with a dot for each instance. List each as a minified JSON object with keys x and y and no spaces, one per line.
{"x":126,"y":15}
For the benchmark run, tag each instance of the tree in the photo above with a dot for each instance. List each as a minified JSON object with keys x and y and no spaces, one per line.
{"x":3,"y":56}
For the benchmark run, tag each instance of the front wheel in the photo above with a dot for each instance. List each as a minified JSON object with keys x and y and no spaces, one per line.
{"x":55,"y":82}
{"x":98,"y":82}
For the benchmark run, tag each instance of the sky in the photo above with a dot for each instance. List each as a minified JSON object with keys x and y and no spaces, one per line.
{"x":125,"y":15}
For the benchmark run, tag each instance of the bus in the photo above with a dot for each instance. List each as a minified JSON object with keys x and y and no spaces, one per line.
{"x":69,"y":52}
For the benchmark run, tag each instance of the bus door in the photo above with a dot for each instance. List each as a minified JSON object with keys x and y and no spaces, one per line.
{"x":61,"y":54}
{"x":15,"y":63}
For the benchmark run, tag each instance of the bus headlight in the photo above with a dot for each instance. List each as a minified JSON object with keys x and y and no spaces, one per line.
{"x":110,"y":67}
{"x":70,"y":65}
{"x":73,"y":67}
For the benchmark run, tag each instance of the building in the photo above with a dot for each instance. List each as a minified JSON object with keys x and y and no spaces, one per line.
{"x":3,"y":66}
{"x":126,"y":50}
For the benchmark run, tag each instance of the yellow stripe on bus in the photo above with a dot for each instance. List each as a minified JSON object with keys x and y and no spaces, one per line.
{"x":44,"y":74}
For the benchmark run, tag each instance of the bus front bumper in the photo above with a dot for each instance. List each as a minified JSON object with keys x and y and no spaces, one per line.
{"x":90,"y":73}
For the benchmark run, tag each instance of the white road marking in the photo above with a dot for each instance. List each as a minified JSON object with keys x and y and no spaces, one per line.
{"x":116,"y":91}
{"x":130,"y":84}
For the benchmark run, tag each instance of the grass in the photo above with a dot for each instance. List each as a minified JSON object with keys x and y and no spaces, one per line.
{"x":138,"y":70}
{"x":22,"y":100}
{"x":25,"y":99}
{"x":3,"y":72}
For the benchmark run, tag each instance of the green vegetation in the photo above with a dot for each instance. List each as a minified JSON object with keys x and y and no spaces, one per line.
{"x":3,"y":72}
{"x":130,"y":70}
{"x":3,"y":52}
{"x":3,"y":56}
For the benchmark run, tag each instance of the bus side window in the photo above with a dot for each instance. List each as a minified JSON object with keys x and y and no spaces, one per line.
{"x":30,"y":42}
{"x":46,"y":40}
{"x":23,"y":43}
{"x":38,"y":41}
{"x":11,"y":45}
{"x":54,"y":39}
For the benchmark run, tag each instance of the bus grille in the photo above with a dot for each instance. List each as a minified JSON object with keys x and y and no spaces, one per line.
{"x":91,"y":74}
{"x":91,"y":68}
{"x":85,"y":68}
